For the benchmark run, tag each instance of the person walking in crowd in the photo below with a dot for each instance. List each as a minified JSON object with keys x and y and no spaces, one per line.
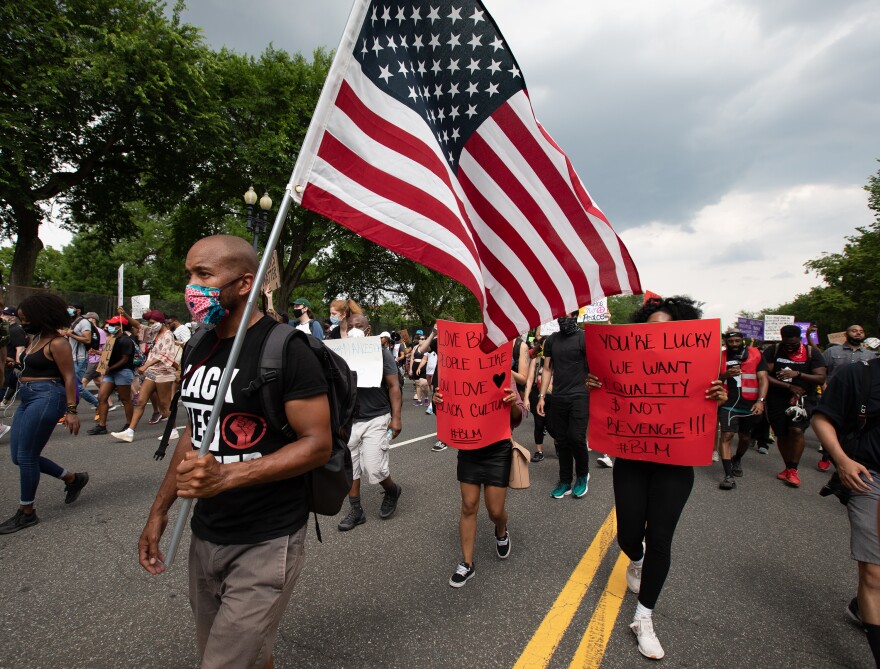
{"x":839,"y":413}
{"x":94,"y":358}
{"x":340,"y":310}
{"x":427,"y":347}
{"x":79,"y":334}
{"x":48,"y":390}
{"x":565,"y":366}
{"x":486,"y":468}
{"x":304,"y":319}
{"x":744,"y":371}
{"x":248,"y":525}
{"x":159,"y":376}
{"x":119,"y":374}
{"x":181,"y":332}
{"x":17,"y":340}
{"x":377,"y":422}
{"x":650,"y":496}
{"x":795,"y":372}
{"x":532,"y":391}
{"x":418,"y":372}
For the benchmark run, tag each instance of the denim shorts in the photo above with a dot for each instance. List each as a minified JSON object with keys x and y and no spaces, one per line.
{"x":121,"y":377}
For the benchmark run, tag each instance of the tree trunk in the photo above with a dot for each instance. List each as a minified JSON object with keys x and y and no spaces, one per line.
{"x":27,"y":248}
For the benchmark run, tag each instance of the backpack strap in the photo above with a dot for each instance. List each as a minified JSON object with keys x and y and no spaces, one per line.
{"x":267,"y":384}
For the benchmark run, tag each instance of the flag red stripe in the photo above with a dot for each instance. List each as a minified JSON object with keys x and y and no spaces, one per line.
{"x":536,"y":157}
{"x":391,"y":188}
{"x":321,"y":201}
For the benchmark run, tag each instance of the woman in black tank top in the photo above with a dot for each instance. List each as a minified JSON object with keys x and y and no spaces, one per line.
{"x":48,"y":392}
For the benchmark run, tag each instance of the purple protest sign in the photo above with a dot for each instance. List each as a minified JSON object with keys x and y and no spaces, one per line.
{"x":752,"y":328}
{"x":814,"y":336}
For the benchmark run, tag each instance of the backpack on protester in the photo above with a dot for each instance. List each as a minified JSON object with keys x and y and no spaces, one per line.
{"x":95,"y":339}
{"x":138,"y":358}
{"x":327,"y":485}
{"x":849,"y":442}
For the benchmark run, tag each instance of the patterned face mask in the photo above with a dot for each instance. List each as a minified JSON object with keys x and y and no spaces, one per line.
{"x":203,"y":302}
{"x":567,"y":326}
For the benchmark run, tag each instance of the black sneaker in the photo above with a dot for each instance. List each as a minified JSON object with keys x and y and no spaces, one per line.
{"x":355,"y":517}
{"x":438,"y":446}
{"x":737,"y":467}
{"x":502,"y":545}
{"x":74,"y":488}
{"x":18,"y":522}
{"x":463,"y":573}
{"x":389,"y":503}
{"x":98,"y":429}
{"x":727,"y":483}
{"x":537,"y":456}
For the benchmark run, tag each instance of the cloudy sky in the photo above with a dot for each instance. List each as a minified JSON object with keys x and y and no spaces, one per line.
{"x":728,"y":141}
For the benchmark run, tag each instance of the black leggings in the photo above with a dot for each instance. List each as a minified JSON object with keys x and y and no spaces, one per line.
{"x":649,"y":498}
{"x":541,"y":422}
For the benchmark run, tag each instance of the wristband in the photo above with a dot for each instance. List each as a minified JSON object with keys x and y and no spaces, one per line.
{"x":72,"y":412}
{"x":541,"y":395}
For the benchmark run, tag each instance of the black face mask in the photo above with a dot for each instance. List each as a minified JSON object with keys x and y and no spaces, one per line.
{"x":567,"y":326}
{"x":31,"y":328}
{"x":298,"y":313}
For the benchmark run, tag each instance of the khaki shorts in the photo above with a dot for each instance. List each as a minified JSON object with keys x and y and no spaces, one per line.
{"x":238,"y":593}
{"x":369,"y":444}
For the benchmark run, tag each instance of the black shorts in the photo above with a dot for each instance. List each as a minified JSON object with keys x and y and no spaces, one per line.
{"x":486,"y":466}
{"x":781,"y":421}
{"x":736,"y":421}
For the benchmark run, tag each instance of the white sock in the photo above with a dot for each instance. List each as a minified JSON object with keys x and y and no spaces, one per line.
{"x":638,"y":563}
{"x":130,"y":432}
{"x":643,"y":611}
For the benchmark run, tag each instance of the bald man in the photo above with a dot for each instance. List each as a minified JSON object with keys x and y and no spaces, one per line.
{"x":251,"y":508}
{"x":375,"y":425}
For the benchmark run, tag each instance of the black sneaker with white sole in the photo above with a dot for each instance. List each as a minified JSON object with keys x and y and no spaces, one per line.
{"x":502,"y":545}
{"x":389,"y":502}
{"x":438,"y":446}
{"x":463,"y":573}
{"x":18,"y":522}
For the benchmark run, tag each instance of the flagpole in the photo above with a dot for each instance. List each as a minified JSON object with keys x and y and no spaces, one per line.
{"x":226,"y":377}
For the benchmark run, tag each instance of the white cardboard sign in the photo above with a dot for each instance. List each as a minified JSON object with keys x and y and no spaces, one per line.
{"x":772,"y":324}
{"x":363,"y":355}
{"x":139,"y":304}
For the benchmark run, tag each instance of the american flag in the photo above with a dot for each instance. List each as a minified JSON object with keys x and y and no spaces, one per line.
{"x":424,"y":141}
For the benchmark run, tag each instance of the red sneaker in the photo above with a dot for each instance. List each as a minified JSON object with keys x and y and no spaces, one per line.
{"x":783,"y":475}
{"x":824,"y":465}
{"x":793,"y":479}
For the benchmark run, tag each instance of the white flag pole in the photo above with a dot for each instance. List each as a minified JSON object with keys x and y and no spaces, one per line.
{"x":226,"y":377}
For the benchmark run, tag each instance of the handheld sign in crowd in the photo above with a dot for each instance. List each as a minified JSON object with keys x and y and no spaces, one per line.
{"x":473,"y":384}
{"x":652,"y":404}
{"x":363,"y":355}
{"x":752,"y":328}
{"x":139,"y":304}
{"x":597,"y":312}
{"x":104,"y":360}
{"x":549,"y":328}
{"x":773,"y":323}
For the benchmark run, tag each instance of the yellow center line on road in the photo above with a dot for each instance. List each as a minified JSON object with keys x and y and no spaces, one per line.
{"x":543,"y":644}
{"x":591,"y":649}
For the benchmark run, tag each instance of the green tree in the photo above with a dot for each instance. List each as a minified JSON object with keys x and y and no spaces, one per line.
{"x":101,"y":103}
{"x":47,"y":269}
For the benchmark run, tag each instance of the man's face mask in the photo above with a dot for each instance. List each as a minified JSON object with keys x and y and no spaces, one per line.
{"x":203,"y":302}
{"x":112,"y":329}
{"x":355,"y":332}
{"x":567,"y":325}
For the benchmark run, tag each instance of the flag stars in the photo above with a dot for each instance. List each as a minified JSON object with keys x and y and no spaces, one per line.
{"x":496,"y":43}
{"x":416,"y":15}
{"x":472,"y":88}
{"x":435,"y":42}
{"x":435,"y":68}
{"x":364,"y":49}
{"x":403,"y":44}
{"x":453,"y":65}
{"x":476,"y":40}
{"x":455,"y":134}
{"x":454,"y":40}
{"x":441,"y":114}
{"x":434,"y":14}
{"x":403,"y":69}
{"x":494,"y":67}
{"x":453,"y":112}
{"x":376,"y":46}
{"x":474,"y":66}
{"x":421,"y":69}
{"x":400,"y":17}
{"x":417,"y":43}
{"x":413,"y":94}
{"x":514,"y":71}
{"x":455,"y":15}
{"x":471,"y":111}
{"x":477,"y":16}
{"x":438,"y":91}
{"x":492,"y":90}
{"x":386,"y":15}
{"x":391,"y":44}
{"x":453,"y":90}
{"x":385,"y":73}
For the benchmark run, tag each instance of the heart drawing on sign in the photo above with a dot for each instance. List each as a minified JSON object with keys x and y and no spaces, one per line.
{"x":499,"y":379}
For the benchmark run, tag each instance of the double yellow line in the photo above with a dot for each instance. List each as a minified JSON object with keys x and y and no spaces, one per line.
{"x":591,"y":650}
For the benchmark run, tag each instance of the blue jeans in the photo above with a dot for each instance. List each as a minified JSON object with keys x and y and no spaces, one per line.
{"x":79,"y":369}
{"x":42,"y":404}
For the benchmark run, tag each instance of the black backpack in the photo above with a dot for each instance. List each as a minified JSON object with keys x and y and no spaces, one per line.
{"x":329,"y":484}
{"x":95,"y":341}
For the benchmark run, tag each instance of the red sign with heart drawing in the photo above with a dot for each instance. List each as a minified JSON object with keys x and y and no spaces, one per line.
{"x":472,"y":414}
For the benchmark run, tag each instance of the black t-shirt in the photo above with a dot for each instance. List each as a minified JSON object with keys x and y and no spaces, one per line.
{"x":260,"y":512}
{"x":567,"y":354}
{"x":124,"y":345}
{"x":840,"y":403}
{"x":734,"y":387}
{"x":779,"y":361}
{"x":17,"y":338}
{"x":373,"y":402}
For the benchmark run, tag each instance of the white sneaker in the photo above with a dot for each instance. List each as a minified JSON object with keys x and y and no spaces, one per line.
{"x":125,"y":435}
{"x":174,"y":435}
{"x":3,"y":430}
{"x":649,"y":646}
{"x":633,"y":577}
{"x":605,"y":461}
{"x":715,"y":456}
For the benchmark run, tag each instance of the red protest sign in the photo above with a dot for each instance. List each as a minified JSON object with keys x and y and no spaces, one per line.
{"x":652,"y":404}
{"x":472,"y":414}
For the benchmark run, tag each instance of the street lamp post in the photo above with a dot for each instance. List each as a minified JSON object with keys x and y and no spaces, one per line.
{"x":259,"y":222}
